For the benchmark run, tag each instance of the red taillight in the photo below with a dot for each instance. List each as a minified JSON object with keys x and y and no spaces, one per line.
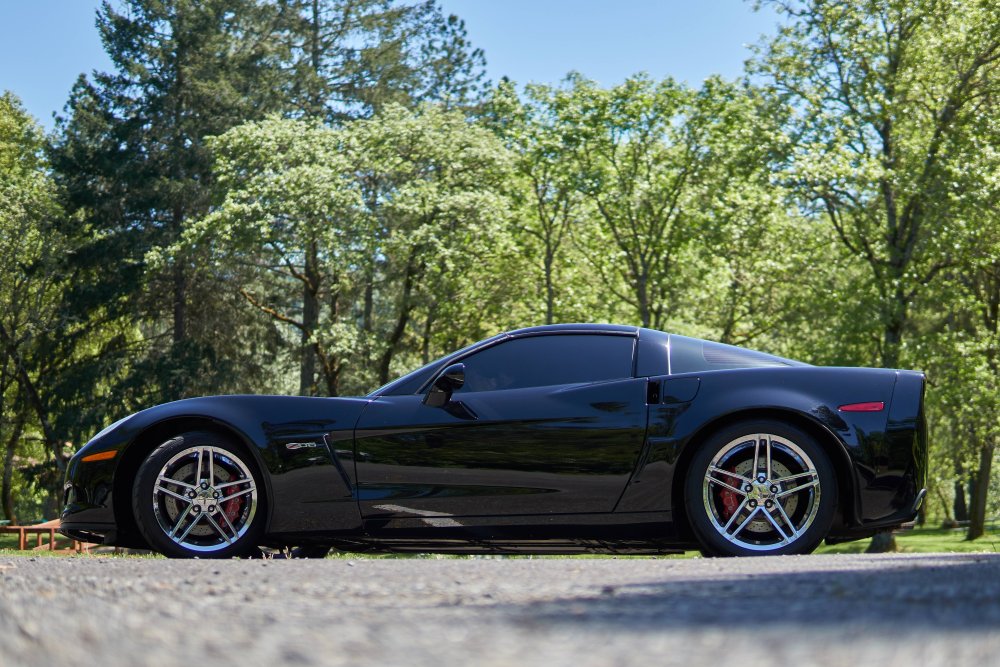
{"x":871,"y":406}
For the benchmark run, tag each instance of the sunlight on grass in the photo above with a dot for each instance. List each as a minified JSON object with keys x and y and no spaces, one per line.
{"x":925,"y":540}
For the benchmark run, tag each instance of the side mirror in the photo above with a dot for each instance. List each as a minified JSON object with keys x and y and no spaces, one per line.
{"x":450,"y":380}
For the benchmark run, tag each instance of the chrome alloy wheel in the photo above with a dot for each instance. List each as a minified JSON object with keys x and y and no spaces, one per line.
{"x":761,"y":492}
{"x":204,"y":499}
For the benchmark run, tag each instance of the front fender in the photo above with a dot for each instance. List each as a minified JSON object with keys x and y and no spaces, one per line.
{"x":294,"y":440}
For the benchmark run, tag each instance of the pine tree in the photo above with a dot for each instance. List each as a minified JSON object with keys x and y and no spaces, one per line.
{"x":132,"y":159}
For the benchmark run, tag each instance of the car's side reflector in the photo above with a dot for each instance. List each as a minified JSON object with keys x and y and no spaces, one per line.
{"x":100,"y":456}
{"x":871,"y":406}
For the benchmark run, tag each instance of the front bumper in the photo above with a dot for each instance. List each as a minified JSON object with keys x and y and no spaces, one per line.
{"x":95,"y":533}
{"x":88,"y":501}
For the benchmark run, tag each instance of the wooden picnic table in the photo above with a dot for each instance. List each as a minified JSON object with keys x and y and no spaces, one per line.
{"x":39,"y":530}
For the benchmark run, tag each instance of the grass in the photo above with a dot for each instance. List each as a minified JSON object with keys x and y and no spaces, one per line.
{"x":926,"y":540}
{"x":921,"y":540}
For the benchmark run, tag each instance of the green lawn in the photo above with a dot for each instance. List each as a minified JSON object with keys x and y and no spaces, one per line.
{"x":926,"y":540}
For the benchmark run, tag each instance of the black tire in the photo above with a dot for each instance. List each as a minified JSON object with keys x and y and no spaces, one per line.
{"x":785,"y":507}
{"x":186,"y":508}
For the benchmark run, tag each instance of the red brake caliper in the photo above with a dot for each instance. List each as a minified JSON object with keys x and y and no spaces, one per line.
{"x":730,"y":501}
{"x":231,"y":507}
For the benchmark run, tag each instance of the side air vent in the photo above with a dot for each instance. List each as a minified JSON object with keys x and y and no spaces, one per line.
{"x":716,"y":353}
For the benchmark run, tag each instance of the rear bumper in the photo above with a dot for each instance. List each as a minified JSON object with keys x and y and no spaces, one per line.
{"x":900,"y":520}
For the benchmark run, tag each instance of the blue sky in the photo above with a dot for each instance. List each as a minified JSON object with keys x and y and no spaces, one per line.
{"x":46,"y":44}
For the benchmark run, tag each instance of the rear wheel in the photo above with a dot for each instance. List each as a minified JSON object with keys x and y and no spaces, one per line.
{"x":758,"y":488}
{"x":199,"y":495}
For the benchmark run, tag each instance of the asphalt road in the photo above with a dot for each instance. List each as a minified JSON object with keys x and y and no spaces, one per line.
{"x":826,"y":610}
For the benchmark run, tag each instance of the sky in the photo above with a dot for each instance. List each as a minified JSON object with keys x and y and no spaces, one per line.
{"x":46,"y":44}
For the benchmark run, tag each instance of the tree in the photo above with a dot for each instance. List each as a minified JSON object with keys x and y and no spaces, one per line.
{"x":882,"y":91}
{"x":375,"y":220}
{"x":29,"y":287}
{"x":968,"y":383}
{"x":546,"y":194}
{"x":635,"y":160}
{"x":132,"y":160}
{"x":962,"y":341}
{"x":751,"y":248}
{"x":351,"y":58}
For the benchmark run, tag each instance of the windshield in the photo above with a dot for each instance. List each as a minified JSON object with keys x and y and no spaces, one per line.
{"x":412,"y":382}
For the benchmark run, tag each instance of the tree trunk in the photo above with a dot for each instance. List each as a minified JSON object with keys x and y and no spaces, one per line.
{"x":6,"y":490}
{"x":310,"y":321}
{"x":180,"y":303}
{"x":949,"y":519}
{"x":960,"y":509}
{"x":179,"y":278}
{"x":642,"y":299}
{"x":549,"y":287}
{"x":405,"y":306}
{"x":977,"y":515}
{"x":892,"y":340}
{"x":883,"y":542}
{"x":33,"y":398}
{"x":329,"y":361}
{"x":425,"y":346}
{"x":307,"y":362}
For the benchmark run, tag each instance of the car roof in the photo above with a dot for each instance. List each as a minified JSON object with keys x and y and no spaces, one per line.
{"x":575,"y":328}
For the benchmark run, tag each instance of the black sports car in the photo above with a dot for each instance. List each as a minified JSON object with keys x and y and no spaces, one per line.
{"x":554,"y":439}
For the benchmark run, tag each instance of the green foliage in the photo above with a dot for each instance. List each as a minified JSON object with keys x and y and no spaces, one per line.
{"x":351,"y":58}
{"x":29,"y":289}
{"x":634,"y":160}
{"x":885,"y":95}
{"x":132,"y":163}
{"x":379,"y":223}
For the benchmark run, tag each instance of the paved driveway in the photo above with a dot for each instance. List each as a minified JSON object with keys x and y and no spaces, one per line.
{"x":827,"y":610}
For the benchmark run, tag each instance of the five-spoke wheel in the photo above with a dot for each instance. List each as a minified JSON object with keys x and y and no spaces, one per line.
{"x":760,"y":487}
{"x":197,"y":495}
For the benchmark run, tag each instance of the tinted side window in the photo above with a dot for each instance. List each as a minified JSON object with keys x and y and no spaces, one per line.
{"x":537,"y":361}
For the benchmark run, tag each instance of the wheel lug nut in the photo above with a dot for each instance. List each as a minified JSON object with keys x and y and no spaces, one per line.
{"x":753,"y":503}
{"x":769,"y":504}
{"x":216,"y":495}
{"x":748,"y":488}
{"x":761,"y":478}
{"x":211,"y":508}
{"x":774,"y":488}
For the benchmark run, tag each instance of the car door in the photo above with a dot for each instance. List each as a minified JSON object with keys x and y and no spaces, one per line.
{"x":544,"y":424}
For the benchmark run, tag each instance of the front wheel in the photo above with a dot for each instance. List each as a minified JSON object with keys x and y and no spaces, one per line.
{"x":760,"y":488}
{"x":199,"y":495}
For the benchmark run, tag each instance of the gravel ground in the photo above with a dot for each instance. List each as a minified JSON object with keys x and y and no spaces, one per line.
{"x":826,"y":610}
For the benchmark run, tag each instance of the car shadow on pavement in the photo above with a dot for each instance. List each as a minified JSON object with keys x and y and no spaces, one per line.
{"x":957,"y":592}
